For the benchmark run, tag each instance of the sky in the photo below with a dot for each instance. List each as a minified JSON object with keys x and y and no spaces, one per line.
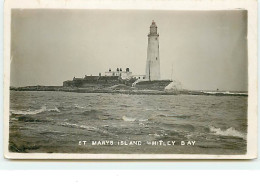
{"x":203,"y":50}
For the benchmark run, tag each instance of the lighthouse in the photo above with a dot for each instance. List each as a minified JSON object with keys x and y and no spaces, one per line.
{"x":153,"y":59}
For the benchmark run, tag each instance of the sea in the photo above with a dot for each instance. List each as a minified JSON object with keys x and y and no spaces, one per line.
{"x":70,"y":122}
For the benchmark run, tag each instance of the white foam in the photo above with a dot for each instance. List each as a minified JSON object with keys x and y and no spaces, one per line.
{"x":143,"y":120}
{"x":78,"y":106}
{"x":73,"y":125}
{"x":228,"y":132}
{"x":54,"y":110}
{"x":155,"y":134}
{"x":33,"y":112}
{"x":227,"y":92}
{"x":29,"y":112}
{"x":134,"y":119}
{"x":68,"y":124}
{"x":235,"y":93}
{"x":128,"y":119}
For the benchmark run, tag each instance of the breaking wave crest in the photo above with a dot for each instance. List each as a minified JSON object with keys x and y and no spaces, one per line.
{"x":133,"y":119}
{"x":175,"y":116}
{"x":73,"y":125}
{"x":53,"y":110}
{"x":33,"y":112}
{"x":143,"y":120}
{"x":128,"y":119}
{"x":227,"y":93}
{"x":228,"y":132}
{"x":89,"y":128}
{"x":78,"y":106}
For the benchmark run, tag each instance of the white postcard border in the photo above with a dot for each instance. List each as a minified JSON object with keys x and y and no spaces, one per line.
{"x":250,"y":5}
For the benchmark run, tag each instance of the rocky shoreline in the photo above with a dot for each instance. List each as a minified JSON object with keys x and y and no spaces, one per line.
{"x":129,"y":90}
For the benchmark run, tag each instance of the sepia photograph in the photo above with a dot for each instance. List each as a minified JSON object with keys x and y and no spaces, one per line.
{"x":136,"y":82}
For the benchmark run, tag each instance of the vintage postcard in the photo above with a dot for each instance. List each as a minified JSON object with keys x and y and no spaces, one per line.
{"x":130,"y":80}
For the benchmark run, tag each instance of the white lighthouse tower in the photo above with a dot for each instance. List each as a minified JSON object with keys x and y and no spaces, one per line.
{"x":153,"y":60}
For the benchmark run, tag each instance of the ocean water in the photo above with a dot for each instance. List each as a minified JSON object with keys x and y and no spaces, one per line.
{"x":66,"y":122}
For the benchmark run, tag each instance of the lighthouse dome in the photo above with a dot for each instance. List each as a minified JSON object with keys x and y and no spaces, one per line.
{"x":153,"y":24}
{"x":153,"y":29}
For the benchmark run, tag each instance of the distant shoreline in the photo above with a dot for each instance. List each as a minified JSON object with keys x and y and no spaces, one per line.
{"x":128,"y":91}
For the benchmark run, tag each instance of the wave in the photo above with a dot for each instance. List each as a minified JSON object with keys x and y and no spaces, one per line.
{"x":150,"y":109}
{"x":180,"y":116}
{"x":185,"y":127}
{"x":96,"y":115}
{"x":134,"y":119}
{"x":162,"y":109}
{"x":89,"y":128}
{"x":128,"y":119}
{"x":125,"y":105}
{"x":29,"y":112}
{"x":227,"y":92}
{"x":14,"y":119}
{"x":158,"y":134}
{"x":155,"y":134}
{"x":78,"y":106}
{"x":53,"y":110}
{"x":73,"y":125}
{"x":175,"y":116}
{"x":228,"y":132}
{"x":91,"y":112}
{"x":143,"y":120}
{"x":33,"y":112}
